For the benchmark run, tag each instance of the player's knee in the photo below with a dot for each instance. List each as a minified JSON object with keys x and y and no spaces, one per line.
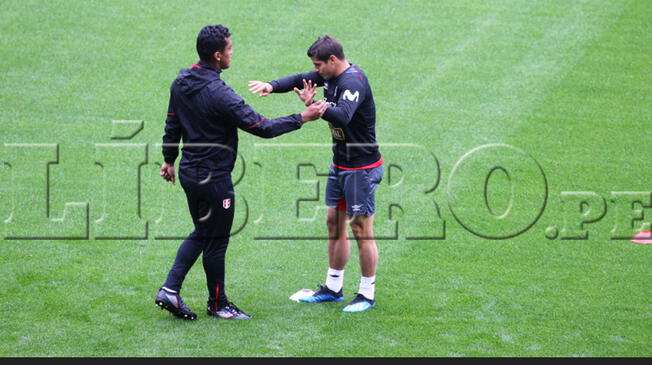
{"x":362,"y":229}
{"x":358,"y":228}
{"x":332,"y":221}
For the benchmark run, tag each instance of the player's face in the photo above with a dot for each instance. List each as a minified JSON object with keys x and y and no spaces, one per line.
{"x":325,"y":69}
{"x":224,"y":57}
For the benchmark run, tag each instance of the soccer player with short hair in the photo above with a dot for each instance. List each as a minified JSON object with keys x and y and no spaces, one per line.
{"x":356,"y":169}
{"x":206,"y":113}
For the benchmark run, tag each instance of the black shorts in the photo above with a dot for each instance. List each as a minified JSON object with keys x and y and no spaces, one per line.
{"x":353,"y":190}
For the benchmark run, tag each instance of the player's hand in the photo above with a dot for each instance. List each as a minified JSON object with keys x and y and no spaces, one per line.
{"x":308,"y":93}
{"x":167,"y":172}
{"x":314,"y":111}
{"x":259,"y":87}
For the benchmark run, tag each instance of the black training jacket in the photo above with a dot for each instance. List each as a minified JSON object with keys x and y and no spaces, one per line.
{"x":205,"y":113}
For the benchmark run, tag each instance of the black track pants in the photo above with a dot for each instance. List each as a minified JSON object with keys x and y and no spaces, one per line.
{"x":212,"y":206}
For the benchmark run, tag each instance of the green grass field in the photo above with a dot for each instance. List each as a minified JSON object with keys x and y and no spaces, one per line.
{"x":567,"y":83}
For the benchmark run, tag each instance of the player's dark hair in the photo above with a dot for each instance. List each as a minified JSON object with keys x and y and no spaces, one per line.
{"x":211,"y":39}
{"x":324,"y":47}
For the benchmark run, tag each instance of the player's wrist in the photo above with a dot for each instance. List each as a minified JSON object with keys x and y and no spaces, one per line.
{"x":304,"y":117}
{"x":270,"y":87}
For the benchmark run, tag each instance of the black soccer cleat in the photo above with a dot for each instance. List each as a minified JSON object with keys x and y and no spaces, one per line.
{"x":172,"y":303}
{"x":323,"y":294}
{"x":228,"y":311}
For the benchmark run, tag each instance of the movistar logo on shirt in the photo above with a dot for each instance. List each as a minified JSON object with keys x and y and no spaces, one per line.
{"x":351,"y":97}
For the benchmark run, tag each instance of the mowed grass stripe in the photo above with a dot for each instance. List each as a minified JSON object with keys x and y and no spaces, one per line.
{"x":459,"y":297}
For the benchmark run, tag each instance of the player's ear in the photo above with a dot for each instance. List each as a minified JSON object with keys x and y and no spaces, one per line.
{"x":217,"y":56}
{"x":332,"y":58}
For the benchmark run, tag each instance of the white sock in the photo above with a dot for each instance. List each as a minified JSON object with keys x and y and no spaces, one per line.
{"x":368,"y":287}
{"x":335,"y":279}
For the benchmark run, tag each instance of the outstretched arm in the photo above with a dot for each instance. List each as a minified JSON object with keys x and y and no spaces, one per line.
{"x":284,"y":84}
{"x":307,"y":94}
{"x":247,"y":119}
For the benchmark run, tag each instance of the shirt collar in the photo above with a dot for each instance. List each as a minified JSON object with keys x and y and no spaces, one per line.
{"x":205,"y":65}
{"x":343,"y":72}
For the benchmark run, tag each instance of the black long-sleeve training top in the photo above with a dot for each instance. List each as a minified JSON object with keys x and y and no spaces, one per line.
{"x":351,"y":115}
{"x":205,"y":113}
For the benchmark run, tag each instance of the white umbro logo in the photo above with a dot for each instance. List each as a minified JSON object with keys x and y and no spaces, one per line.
{"x":352,"y":97}
{"x":356,"y":208}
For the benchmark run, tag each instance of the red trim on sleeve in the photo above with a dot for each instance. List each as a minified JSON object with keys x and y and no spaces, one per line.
{"x":195,"y":66}
{"x":255,"y":125}
{"x":171,"y":114}
{"x":371,"y":166}
{"x":358,"y":71}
